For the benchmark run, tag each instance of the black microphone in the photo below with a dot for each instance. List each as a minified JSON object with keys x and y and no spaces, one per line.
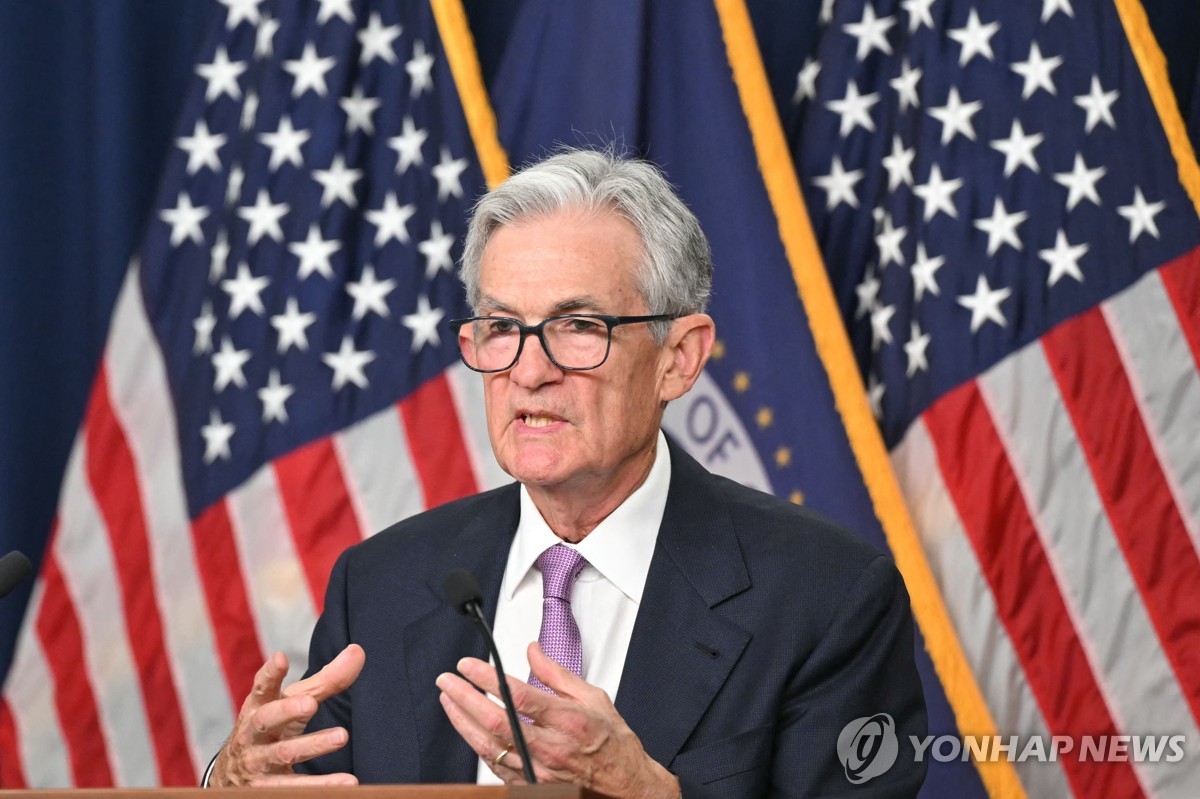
{"x":14,"y":568}
{"x":462,"y":591}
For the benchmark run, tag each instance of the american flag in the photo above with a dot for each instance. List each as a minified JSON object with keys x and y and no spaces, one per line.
{"x":279,"y":381}
{"x":1008,"y":209}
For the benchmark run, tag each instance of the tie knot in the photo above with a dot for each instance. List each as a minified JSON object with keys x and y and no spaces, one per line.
{"x":560,"y":567}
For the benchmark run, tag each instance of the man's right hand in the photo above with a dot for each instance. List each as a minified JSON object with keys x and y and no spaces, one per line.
{"x":268,"y":738}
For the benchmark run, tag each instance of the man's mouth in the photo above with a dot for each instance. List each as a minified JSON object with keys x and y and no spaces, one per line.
{"x":536,"y":420}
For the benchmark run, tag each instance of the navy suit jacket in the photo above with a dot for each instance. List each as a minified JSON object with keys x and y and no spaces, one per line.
{"x":763,"y":630}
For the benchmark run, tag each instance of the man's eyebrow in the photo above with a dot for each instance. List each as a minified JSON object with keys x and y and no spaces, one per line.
{"x":492,"y":305}
{"x":570,"y":305}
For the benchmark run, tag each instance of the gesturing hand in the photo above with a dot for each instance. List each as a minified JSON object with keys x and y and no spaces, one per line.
{"x":576,"y":736}
{"x":268,"y":738}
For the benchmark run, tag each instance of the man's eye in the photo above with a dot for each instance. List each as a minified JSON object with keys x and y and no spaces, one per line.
{"x":499,"y":327}
{"x":579,"y":325}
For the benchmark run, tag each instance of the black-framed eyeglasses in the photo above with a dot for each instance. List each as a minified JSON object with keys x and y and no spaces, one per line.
{"x":574,"y":342}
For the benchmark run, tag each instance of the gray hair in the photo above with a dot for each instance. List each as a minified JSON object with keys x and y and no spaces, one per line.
{"x":676,"y":274}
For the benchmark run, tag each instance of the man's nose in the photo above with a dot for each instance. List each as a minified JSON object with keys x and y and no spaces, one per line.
{"x":534,"y":368}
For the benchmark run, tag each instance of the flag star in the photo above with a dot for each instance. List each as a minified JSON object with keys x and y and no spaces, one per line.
{"x":984,"y":304}
{"x":249,"y":111}
{"x":1098,"y":105}
{"x":292,"y":327}
{"x":899,"y":164}
{"x":221,"y":75}
{"x":955,"y":116}
{"x":285,"y":144}
{"x":201,"y":148}
{"x":1049,"y":7}
{"x":888,"y":239}
{"x":314,"y":253}
{"x":1081,"y":182}
{"x":1001,"y":227}
{"x":239,"y":10}
{"x":881,"y":318}
{"x":218,"y":257}
{"x":420,"y":69}
{"x":906,"y":86}
{"x":408,"y":146}
{"x":938,"y":194}
{"x":376,"y":41}
{"x":806,"y":81}
{"x":391,"y":221}
{"x":274,"y":397}
{"x":871,"y":33}
{"x":370,"y":294}
{"x":918,"y":14}
{"x":264,"y":218}
{"x":331,"y":8}
{"x":348,"y":364}
{"x":915,"y":348}
{"x":875,"y":392}
{"x":204,"y":324}
{"x":839,"y":185}
{"x":448,"y":173}
{"x":184,"y":220}
{"x":423,"y":323}
{"x":1037,"y":71}
{"x":924,"y":273}
{"x":244,"y":291}
{"x":436,"y":250}
{"x":1018,"y":149}
{"x":1141,"y":215}
{"x":826,"y":14}
{"x":854,"y":109}
{"x":359,"y":109}
{"x":1063,"y":259}
{"x":216,"y":437}
{"x":868,"y":295}
{"x":233,"y":192}
{"x":264,"y":37}
{"x":337,"y":183}
{"x":228,"y":364}
{"x":975,"y":38}
{"x":309,"y":72}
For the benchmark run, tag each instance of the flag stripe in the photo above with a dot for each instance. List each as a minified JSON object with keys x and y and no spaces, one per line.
{"x":467,"y":389}
{"x":221,"y":571}
{"x":972,"y":609}
{"x":113,"y":477}
{"x":1131,"y":668}
{"x":1165,"y":566}
{"x":140,"y":397}
{"x":60,"y":633}
{"x":979,"y":477}
{"x":278,"y":588}
{"x":435,"y":435}
{"x":318,"y":509}
{"x":1182,"y":280}
{"x":11,"y":775}
{"x":379,"y":470}
{"x":85,"y":557}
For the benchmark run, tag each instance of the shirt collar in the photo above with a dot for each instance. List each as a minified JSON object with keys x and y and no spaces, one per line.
{"x":619,"y":548}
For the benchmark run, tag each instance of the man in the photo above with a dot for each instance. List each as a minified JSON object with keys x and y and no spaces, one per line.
{"x":737,"y":634}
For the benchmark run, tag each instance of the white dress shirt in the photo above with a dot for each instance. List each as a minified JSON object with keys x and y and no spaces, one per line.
{"x":607,"y":594}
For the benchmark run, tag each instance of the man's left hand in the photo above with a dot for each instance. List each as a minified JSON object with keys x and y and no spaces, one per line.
{"x":576,"y":736}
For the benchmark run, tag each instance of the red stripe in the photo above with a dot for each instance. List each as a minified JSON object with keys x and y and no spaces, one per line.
{"x":61,"y":637}
{"x":997,"y":521}
{"x":221,"y":573}
{"x":318,"y":508}
{"x":112,"y":476}
{"x":1182,"y":280}
{"x":1135,"y":492}
{"x":11,"y":775}
{"x":435,"y":439}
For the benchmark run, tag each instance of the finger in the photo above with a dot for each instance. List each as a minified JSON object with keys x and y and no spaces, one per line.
{"x":280,"y":756}
{"x":302,"y":780}
{"x":267,"y":681}
{"x":485,"y":743}
{"x":283,"y":717}
{"x":528,"y":701}
{"x":563,"y":682}
{"x":337,"y":675}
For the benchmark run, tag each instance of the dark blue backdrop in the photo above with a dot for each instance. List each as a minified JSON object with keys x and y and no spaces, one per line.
{"x":88,"y":101}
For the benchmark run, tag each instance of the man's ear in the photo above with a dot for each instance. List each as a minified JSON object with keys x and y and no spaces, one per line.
{"x":686,"y":350}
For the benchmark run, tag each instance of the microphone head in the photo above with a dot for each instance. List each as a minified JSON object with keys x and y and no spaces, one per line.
{"x":14,"y":569}
{"x":461,"y":590}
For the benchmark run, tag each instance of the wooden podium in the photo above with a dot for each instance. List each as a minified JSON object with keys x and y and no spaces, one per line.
{"x":355,"y":792}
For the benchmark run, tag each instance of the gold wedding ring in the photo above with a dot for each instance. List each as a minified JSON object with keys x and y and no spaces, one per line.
{"x":500,"y":756}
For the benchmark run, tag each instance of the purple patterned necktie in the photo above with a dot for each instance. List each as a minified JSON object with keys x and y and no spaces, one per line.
{"x":560,"y":567}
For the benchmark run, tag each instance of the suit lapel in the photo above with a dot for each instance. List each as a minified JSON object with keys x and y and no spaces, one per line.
{"x":436,"y":641}
{"x":681,"y":651}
